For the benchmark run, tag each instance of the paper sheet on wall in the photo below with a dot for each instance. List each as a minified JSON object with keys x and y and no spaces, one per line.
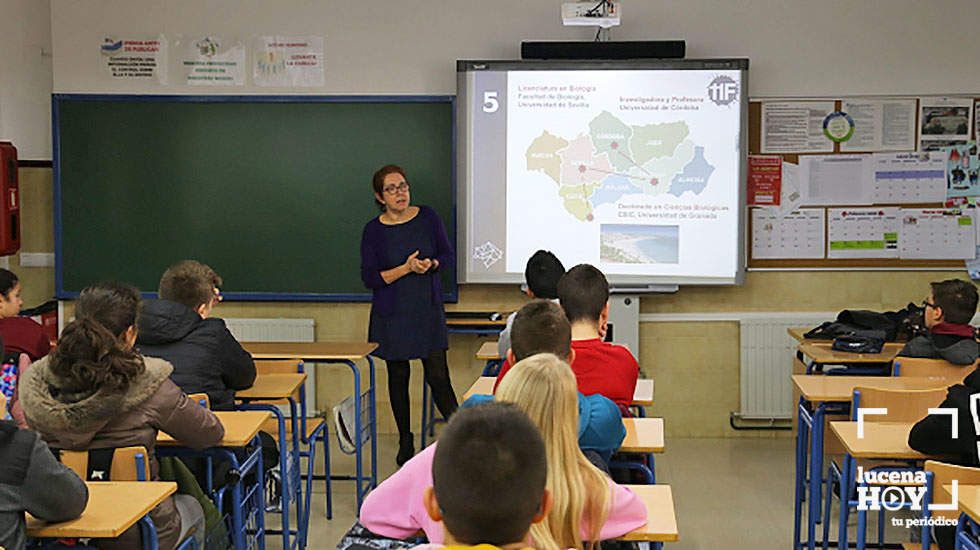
{"x":962,"y":170}
{"x":795,"y":127}
{"x":135,"y":58}
{"x":208,"y":60}
{"x":792,"y":194}
{"x":295,"y":61}
{"x":944,"y":122}
{"x":880,"y":124}
{"x":798,"y":235}
{"x":862,"y":233}
{"x":936,"y":234}
{"x":837,"y":179}
{"x":909,"y":178}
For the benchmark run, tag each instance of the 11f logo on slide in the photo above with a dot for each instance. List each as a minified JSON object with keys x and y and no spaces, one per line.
{"x":723,"y":90}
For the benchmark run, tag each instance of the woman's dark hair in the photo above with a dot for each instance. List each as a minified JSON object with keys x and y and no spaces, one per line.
{"x":8,"y":280}
{"x":378,"y":181}
{"x":91,"y":353}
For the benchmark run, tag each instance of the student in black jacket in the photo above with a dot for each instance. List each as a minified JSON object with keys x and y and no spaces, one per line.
{"x":948,"y":312}
{"x":180,"y":329}
{"x":933,"y":435}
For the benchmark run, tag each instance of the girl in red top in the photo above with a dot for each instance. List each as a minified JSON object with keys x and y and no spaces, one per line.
{"x":20,"y":334}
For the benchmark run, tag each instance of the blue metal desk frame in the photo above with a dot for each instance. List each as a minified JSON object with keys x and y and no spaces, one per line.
{"x":253,"y":495}
{"x":290,"y":472}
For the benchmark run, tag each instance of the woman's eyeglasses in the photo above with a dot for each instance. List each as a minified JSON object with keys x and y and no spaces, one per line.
{"x":392,"y":189}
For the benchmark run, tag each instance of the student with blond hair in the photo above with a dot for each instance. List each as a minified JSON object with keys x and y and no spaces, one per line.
{"x":587,"y":505}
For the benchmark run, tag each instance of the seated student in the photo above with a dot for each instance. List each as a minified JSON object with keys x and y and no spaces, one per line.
{"x":491,"y":503}
{"x":179,"y":328}
{"x":32,"y":481}
{"x":600,"y":367}
{"x":20,"y":334}
{"x":948,"y":312}
{"x":932,"y":435}
{"x":95,"y":392}
{"x":541,"y":327}
{"x":542,"y":272}
{"x":589,"y":506}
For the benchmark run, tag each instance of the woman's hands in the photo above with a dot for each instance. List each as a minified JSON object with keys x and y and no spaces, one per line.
{"x":415,"y":265}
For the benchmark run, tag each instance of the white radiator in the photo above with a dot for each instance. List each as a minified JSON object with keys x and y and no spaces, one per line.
{"x":767,"y":352}
{"x":278,"y":330}
{"x":271,"y":330}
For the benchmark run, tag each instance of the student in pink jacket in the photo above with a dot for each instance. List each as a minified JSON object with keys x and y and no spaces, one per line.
{"x":594,"y":508}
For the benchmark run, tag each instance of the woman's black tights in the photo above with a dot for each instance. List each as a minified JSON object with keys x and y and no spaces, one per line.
{"x":436,"y":375}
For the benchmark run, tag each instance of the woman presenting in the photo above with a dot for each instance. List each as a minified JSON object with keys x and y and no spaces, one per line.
{"x":402,"y":251}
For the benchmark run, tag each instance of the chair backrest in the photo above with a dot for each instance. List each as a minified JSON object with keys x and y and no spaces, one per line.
{"x":278,"y":366}
{"x":931,"y":368}
{"x":902,"y":405}
{"x":128,"y":464}
{"x":202,"y":399}
{"x":945,"y":474}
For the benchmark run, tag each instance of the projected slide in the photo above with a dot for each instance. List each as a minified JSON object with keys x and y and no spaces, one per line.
{"x":635,"y":171}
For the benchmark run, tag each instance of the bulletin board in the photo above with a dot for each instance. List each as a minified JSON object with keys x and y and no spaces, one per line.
{"x":756,"y":148}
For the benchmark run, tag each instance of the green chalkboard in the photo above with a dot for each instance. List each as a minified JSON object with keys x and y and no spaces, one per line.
{"x":272,"y":192}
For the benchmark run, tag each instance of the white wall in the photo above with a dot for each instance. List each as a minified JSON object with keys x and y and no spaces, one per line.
{"x":25,"y":76}
{"x":796,"y":47}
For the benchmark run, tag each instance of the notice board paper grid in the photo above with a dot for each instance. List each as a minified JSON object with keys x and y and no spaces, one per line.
{"x":755,"y":114}
{"x":271,"y":191}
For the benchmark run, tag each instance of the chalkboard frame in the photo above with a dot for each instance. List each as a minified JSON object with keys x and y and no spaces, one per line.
{"x":450,"y":295}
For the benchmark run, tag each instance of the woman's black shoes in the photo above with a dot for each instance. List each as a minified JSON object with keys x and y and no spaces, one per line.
{"x":406,"y":448}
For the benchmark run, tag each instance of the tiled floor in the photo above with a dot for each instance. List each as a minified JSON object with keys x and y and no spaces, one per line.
{"x":728,"y":493}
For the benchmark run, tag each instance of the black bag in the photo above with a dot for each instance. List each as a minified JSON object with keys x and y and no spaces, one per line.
{"x":895,"y":325}
{"x":871,"y":341}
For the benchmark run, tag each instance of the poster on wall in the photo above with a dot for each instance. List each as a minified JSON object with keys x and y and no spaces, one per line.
{"x":795,"y":127}
{"x":880,"y":124}
{"x":962,"y":170}
{"x":209,"y":60}
{"x":135,"y":58}
{"x":288,"y":61}
{"x":765,"y":176}
{"x":944,"y":122}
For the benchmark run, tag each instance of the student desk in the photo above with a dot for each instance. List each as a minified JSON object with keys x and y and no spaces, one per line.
{"x":882,"y":440}
{"x":277,"y":387}
{"x":797,"y":333}
{"x":643,"y":435}
{"x":345,"y":353}
{"x":820,"y":395}
{"x":481,"y":326}
{"x":113,"y":507}
{"x":661,"y":525}
{"x":642,"y":395}
{"x":820,"y":354}
{"x":247,"y":503}
{"x":488,"y":352}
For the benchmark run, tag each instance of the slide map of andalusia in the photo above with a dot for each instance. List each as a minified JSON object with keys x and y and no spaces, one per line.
{"x":614,"y":159}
